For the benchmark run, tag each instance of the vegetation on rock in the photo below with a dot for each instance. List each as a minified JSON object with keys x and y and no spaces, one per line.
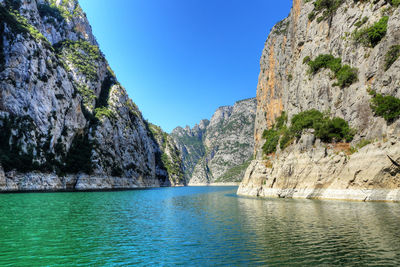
{"x":327,"y":129}
{"x":83,"y":55}
{"x":326,"y":7}
{"x":387,"y":107}
{"x":372,"y":35}
{"x":391,"y":56}
{"x":19,"y":24}
{"x":344,"y":74}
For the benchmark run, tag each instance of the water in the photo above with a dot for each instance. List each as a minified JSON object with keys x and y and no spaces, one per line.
{"x":197,"y":226}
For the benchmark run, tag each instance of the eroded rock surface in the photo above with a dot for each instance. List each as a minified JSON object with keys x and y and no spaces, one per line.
{"x":308,"y":168}
{"x":219,"y":150}
{"x":64,"y":117}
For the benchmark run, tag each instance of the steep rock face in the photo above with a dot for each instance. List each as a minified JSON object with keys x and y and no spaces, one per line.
{"x":285,"y":84}
{"x":224,"y":145}
{"x":190,"y":144}
{"x":168,"y":157}
{"x":64,"y":117}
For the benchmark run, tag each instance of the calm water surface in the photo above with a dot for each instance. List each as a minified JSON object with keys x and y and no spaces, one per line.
{"x":197,"y":226}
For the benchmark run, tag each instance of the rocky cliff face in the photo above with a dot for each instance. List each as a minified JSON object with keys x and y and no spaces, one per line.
{"x":66,"y":122}
{"x":190,"y":144}
{"x":295,"y":77}
{"x":221,"y":149}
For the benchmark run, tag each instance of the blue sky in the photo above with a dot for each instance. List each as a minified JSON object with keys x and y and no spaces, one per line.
{"x":180,"y":60}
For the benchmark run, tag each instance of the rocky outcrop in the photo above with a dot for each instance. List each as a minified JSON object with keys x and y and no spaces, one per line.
{"x":190,"y":144}
{"x":168,"y":157}
{"x":222,"y":147}
{"x":65,"y":120}
{"x":310,"y":168}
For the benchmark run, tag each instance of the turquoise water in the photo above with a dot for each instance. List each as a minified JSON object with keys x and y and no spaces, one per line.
{"x":197,"y":226}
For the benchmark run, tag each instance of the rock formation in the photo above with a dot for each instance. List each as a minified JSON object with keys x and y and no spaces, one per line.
{"x":219,"y":150}
{"x":65,"y":121}
{"x":339,"y":58}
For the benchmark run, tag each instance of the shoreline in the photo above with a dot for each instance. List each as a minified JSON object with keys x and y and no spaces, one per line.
{"x":360,"y":195}
{"x":215,"y":184}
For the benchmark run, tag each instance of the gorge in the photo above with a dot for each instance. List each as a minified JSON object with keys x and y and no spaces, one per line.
{"x":323,"y":125}
{"x":250,"y":184}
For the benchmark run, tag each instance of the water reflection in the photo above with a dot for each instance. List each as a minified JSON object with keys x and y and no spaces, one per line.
{"x":194,"y":226}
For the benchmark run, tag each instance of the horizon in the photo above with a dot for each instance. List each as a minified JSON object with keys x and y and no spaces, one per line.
{"x":181,"y":61}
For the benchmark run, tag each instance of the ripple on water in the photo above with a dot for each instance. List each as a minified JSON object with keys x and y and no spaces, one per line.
{"x":194,"y":226}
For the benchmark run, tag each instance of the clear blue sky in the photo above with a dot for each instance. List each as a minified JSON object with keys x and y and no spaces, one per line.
{"x":180,"y":60}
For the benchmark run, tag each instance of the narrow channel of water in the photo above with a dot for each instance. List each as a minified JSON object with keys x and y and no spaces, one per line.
{"x":193,"y":226}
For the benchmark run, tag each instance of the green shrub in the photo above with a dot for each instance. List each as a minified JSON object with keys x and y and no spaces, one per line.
{"x":82,"y":55}
{"x":371,"y":36}
{"x":391,"y":56}
{"x":334,"y":129}
{"x":324,"y":61}
{"x":88,"y":96}
{"x":305,"y":120}
{"x":361,"y":22}
{"x":394,"y":3}
{"x":325,"y":128}
{"x":286,"y":138}
{"x":326,"y":7}
{"x":311,"y":16}
{"x":104,"y":112}
{"x":387,"y":107}
{"x":47,"y":10}
{"x":271,"y":137}
{"x":306,"y":59}
{"x":280,"y":122}
{"x":19,"y":24}
{"x":344,"y":74}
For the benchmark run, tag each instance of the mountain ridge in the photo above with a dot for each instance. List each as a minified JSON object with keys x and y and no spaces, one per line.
{"x":217,"y":150}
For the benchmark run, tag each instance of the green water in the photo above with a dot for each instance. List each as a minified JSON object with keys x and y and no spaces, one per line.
{"x":197,"y":226}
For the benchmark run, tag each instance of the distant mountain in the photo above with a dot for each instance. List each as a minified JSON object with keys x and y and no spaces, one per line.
{"x":218,"y":150}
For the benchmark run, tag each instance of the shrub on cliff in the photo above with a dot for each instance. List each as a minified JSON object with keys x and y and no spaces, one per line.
{"x":372,"y":35}
{"x":326,"y":7}
{"x":387,"y":107}
{"x":391,"y":56}
{"x":273,"y":134}
{"x":271,"y":137}
{"x":325,"y":128}
{"x":394,"y":3}
{"x":305,"y":120}
{"x":344,"y":74}
{"x":334,"y":129}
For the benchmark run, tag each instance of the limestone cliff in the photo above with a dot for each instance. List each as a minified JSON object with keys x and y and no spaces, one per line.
{"x":190,"y":144}
{"x":218,"y":150}
{"x":336,"y":57}
{"x":65,"y":121}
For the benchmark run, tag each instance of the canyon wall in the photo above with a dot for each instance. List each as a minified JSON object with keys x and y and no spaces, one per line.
{"x":65,"y":120}
{"x":219,"y":150}
{"x":364,"y":35}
